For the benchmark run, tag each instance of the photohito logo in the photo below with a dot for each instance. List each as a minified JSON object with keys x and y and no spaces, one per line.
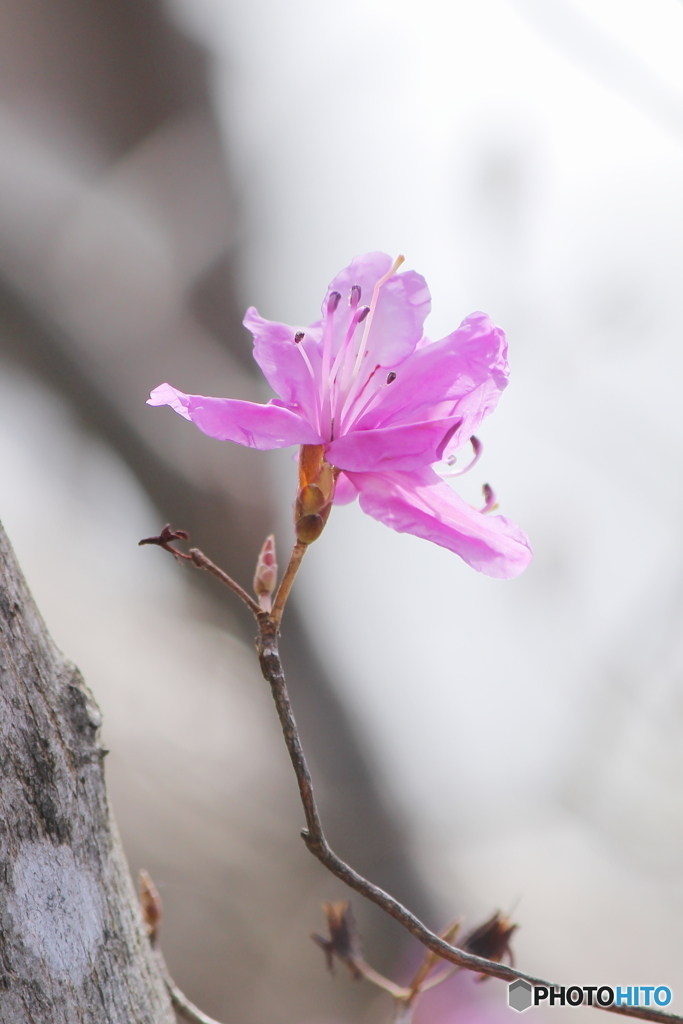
{"x":522,"y":995}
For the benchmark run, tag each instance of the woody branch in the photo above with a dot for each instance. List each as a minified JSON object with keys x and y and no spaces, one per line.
{"x":313,"y":835}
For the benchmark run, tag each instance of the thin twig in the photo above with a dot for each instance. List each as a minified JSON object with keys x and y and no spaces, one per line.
{"x":202,"y":562}
{"x":403,"y":1012}
{"x":313,"y":835}
{"x":379,"y":980}
{"x":419,"y":983}
{"x":438,"y":979}
{"x":315,"y":840}
{"x":179,"y":1000}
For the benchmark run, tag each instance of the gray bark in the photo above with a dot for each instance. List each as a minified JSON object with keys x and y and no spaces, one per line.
{"x":72,"y":945}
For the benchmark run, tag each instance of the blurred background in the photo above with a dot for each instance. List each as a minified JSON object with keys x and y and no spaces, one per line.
{"x":475,"y":743}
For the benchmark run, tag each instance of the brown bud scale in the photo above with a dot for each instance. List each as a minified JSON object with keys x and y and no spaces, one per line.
{"x":310,"y":500}
{"x":309,"y":528}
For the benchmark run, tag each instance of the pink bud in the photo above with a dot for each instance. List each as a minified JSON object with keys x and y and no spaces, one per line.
{"x":265,"y":577}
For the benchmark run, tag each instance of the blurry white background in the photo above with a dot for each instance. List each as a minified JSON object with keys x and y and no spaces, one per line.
{"x":527,"y":157}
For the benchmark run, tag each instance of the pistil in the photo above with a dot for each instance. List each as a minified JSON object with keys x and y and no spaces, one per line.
{"x":362,"y":348}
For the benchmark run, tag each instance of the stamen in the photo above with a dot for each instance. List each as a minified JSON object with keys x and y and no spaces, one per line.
{"x":332,"y":303}
{"x":351,"y":396}
{"x":354,"y":297}
{"x":341,"y":354}
{"x":366,"y":405}
{"x":391,"y":377}
{"x":489,"y":498}
{"x":298,"y":338}
{"x":356,"y":319}
{"x":477,"y":448}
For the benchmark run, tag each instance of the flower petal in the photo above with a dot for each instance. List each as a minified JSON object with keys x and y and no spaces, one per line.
{"x":282,"y":365}
{"x":462,"y":374}
{"x":422,"y":504}
{"x":227,"y":419}
{"x":344,"y":492}
{"x":405,"y":446}
{"x":404,"y":302}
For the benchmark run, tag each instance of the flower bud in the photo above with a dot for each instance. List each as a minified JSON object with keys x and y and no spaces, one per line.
{"x":265,"y":577}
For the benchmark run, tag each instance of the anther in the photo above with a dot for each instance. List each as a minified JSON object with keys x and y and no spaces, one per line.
{"x":362,"y":348}
{"x":490,"y":499}
{"x":362,"y":315}
{"x":354,"y":298}
{"x":298,"y":338}
{"x":333,"y":301}
{"x":477,"y":448}
{"x":391,"y":377}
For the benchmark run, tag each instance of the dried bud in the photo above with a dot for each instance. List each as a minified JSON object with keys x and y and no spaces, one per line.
{"x":343,"y":942}
{"x":265,"y":577}
{"x":150,"y":902}
{"x":316,"y":491}
{"x":164,"y":539}
{"x":491,"y":939}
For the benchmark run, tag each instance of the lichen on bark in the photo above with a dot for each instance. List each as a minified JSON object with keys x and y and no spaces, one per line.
{"x":72,"y":944}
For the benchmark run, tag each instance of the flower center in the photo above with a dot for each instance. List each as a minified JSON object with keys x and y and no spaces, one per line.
{"x":343,"y":383}
{"x":340,"y":394}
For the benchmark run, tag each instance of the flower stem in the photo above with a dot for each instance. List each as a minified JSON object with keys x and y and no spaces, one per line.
{"x":283,"y":590}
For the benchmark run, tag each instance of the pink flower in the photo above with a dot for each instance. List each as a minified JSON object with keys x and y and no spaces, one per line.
{"x":386,"y":403}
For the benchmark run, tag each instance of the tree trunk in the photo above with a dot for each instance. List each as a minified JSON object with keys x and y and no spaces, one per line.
{"x":72,"y":945}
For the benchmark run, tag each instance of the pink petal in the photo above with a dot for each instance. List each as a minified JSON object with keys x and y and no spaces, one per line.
{"x":404,"y":447}
{"x":404,"y":302}
{"x":227,"y":419}
{"x":345,"y":492}
{"x":283,"y":366}
{"x":462,"y":374}
{"x":422,"y":504}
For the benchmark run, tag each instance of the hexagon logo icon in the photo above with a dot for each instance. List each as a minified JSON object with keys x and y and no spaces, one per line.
{"x":519,"y":995}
